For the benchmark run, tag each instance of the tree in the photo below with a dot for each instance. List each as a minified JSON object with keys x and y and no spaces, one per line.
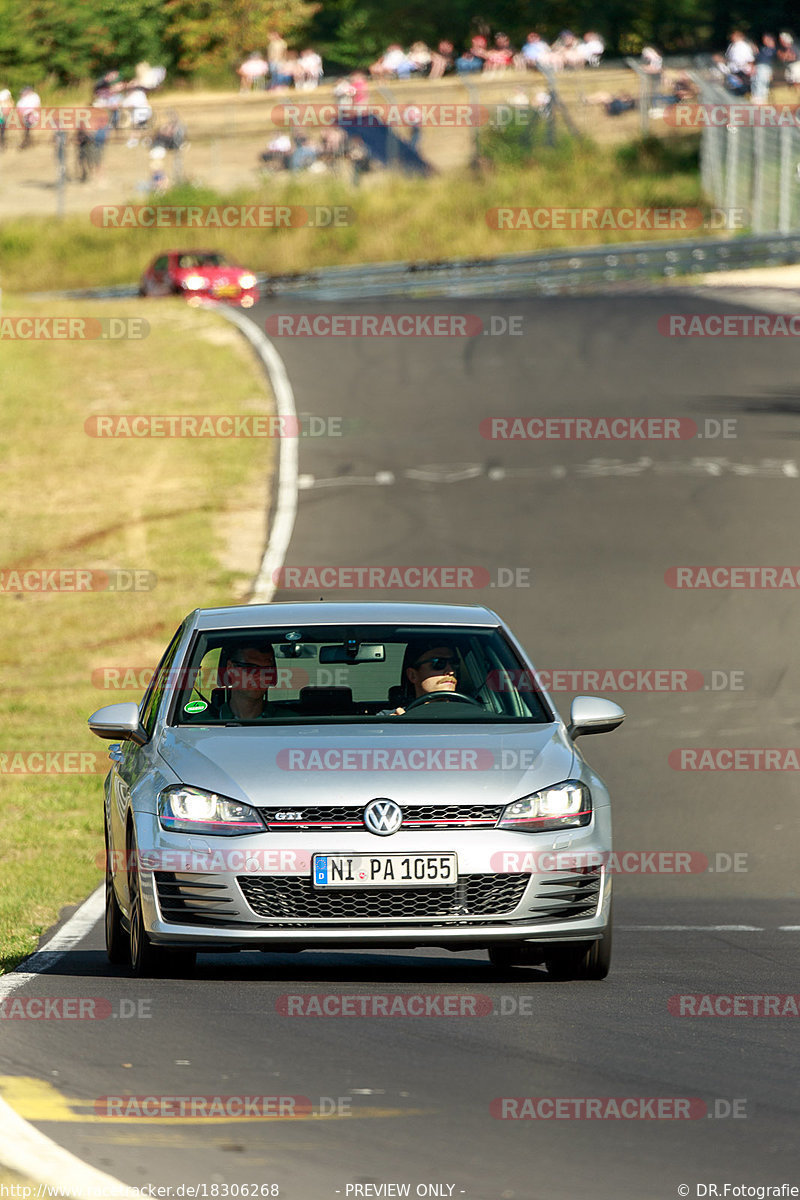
{"x":209,"y":36}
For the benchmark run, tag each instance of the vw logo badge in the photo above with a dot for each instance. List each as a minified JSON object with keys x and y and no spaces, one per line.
{"x":383,"y":817}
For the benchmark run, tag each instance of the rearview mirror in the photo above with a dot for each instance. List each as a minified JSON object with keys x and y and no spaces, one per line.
{"x":366,"y":652}
{"x":119,"y":721}
{"x":593,"y":714}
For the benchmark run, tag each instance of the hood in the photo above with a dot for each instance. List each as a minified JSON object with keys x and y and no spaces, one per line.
{"x":354,"y":764}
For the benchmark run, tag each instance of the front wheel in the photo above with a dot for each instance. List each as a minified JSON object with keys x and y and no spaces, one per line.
{"x":117,"y":947}
{"x":146,"y":958}
{"x":584,"y":960}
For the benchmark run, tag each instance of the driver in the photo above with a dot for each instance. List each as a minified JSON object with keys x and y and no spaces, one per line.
{"x":429,"y":668}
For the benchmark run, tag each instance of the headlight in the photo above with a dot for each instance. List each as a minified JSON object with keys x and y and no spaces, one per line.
{"x":190,"y":810}
{"x":247,"y":281}
{"x":561,"y":807}
{"x":193,"y":283}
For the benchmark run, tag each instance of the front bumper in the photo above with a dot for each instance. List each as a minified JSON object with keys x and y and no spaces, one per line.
{"x":273,"y":908}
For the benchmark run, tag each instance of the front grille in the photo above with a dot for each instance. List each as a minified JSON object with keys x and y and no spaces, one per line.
{"x":298,"y":900}
{"x":417,"y":816}
{"x":567,"y":895}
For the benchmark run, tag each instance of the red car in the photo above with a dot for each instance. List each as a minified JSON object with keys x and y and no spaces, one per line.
{"x":199,"y":275}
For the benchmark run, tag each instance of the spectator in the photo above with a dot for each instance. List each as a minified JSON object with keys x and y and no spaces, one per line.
{"x":148,"y":77}
{"x":253,"y":72}
{"x":764,"y":64}
{"x":135,"y":102}
{"x":614,"y":105}
{"x":6,"y":106}
{"x":84,"y":153}
{"x":303,"y":155}
{"x":469,"y":63}
{"x":535,"y":51}
{"x":739,"y":56}
{"x":736,"y":83}
{"x":276,"y":54}
{"x":28,"y":106}
{"x":107,"y":94}
{"x":171,"y":134}
{"x":501,"y":55}
{"x":421,"y":59}
{"x":278,"y":151}
{"x":651,"y":62}
{"x":562,"y":49}
{"x":787,"y":55}
{"x":333,"y":142}
{"x":588,"y":52}
{"x":478,"y":46}
{"x":360,"y":157}
{"x":309,"y":70}
{"x":352,"y":91}
{"x":442,"y":60}
{"x":395,"y":62}
{"x":158,"y":176}
{"x":287,"y":70}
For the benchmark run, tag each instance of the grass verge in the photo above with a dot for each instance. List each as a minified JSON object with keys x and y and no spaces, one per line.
{"x":392,"y":218}
{"x":191,"y":511}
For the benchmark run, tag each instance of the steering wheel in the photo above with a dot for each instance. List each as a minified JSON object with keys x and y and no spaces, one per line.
{"x":433,"y":696}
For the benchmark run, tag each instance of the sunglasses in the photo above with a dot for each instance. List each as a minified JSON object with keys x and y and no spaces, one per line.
{"x":248,"y":666}
{"x":438,"y":663}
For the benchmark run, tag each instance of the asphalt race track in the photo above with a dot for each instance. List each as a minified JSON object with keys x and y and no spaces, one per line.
{"x":578,"y":538}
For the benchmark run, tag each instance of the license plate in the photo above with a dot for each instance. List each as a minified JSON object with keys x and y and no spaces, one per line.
{"x":384,"y":870}
{"x":226,"y":289}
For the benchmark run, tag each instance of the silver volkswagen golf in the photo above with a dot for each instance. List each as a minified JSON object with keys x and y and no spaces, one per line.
{"x":354,"y":775}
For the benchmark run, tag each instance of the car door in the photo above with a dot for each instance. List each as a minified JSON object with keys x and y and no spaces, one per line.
{"x":161,"y":277}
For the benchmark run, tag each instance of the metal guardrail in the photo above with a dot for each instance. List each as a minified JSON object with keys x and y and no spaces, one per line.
{"x":551,"y":273}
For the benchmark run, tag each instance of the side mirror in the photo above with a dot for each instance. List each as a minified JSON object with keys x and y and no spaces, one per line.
{"x":593,"y":714}
{"x":119,"y":721}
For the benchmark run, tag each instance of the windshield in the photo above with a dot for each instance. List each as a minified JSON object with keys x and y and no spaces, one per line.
{"x":327,"y":675}
{"x":195,"y":260}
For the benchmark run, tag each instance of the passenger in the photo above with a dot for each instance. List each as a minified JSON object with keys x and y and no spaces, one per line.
{"x":248,"y":674}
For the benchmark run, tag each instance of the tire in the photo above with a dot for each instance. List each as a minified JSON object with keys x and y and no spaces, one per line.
{"x":147,"y":959}
{"x":117,"y":944}
{"x":505,"y":956}
{"x":585,"y":960}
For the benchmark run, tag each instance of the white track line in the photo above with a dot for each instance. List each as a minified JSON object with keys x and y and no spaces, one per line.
{"x":286,"y":499}
{"x":22,"y":1147}
{"x":691,"y":928}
